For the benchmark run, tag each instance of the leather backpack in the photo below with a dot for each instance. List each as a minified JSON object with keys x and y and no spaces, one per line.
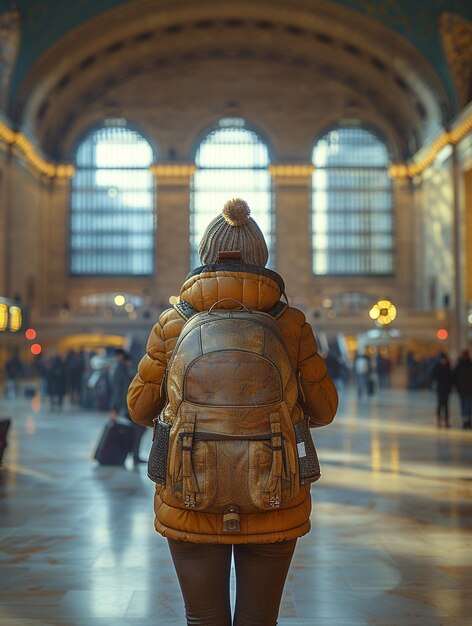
{"x":232,"y":437}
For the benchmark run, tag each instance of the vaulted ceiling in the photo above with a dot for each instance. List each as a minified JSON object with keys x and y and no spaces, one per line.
{"x":76,"y":58}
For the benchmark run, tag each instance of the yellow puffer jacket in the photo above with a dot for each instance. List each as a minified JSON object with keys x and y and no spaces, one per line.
{"x":256,"y":288}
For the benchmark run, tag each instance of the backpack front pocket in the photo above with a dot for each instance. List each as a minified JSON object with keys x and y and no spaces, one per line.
{"x":272,"y":475}
{"x":192,"y":474}
{"x":209,"y":471}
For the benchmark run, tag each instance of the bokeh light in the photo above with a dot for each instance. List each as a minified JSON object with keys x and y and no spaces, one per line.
{"x":30,"y":333}
{"x":119,"y":300}
{"x":15,"y":318}
{"x":3,"y":317}
{"x":384,"y":312}
{"x":36,"y":348}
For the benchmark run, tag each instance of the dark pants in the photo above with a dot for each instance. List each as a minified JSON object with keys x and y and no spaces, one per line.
{"x":443,"y":408}
{"x":203,"y":571}
{"x":466,"y":408}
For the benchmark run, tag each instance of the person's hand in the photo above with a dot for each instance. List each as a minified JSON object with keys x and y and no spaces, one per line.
{"x":114,"y":415}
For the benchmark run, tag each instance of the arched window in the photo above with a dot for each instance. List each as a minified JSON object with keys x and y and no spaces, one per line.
{"x":112,"y":220}
{"x":352,"y":218}
{"x":232,"y":162}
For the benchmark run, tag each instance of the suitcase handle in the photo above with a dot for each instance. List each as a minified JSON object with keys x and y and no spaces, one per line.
{"x":242,"y":306}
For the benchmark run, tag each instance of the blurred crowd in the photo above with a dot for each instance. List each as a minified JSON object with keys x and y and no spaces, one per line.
{"x":437,"y":373}
{"x":445,"y":376}
{"x":89,"y":379}
{"x":368,"y":372}
{"x":84,"y":378}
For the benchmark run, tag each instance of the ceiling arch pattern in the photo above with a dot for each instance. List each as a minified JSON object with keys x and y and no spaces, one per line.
{"x":44,"y":22}
{"x":83,"y":76}
{"x":456,"y":34}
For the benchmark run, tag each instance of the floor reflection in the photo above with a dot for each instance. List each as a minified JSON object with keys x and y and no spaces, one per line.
{"x":391,"y":543}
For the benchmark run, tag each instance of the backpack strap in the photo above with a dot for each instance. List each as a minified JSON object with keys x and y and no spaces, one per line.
{"x":277,"y":310}
{"x":190,"y":486}
{"x":185,"y":310}
{"x":274,"y":482}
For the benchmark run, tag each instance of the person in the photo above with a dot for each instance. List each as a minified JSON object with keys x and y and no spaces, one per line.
{"x":334,"y":367}
{"x":40,"y":369}
{"x":121,"y":379}
{"x":362,"y":372}
{"x":384,"y":366}
{"x":200,"y":548}
{"x":463,"y":383}
{"x":74,"y":367}
{"x":56,"y":381}
{"x":441,"y":376}
{"x":14,"y":372}
{"x":413,"y":368}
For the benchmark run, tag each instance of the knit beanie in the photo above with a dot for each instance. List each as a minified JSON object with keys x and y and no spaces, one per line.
{"x":234,"y":230}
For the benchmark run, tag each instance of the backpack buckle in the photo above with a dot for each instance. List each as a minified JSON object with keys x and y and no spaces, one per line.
{"x":190,"y":502}
{"x":187,"y":438}
{"x":231,"y":519}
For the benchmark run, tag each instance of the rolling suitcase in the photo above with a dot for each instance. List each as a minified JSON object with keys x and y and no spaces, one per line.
{"x":115,"y":443}
{"x":4,"y":426}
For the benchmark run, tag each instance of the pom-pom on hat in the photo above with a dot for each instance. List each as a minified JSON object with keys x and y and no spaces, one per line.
{"x":231,"y":231}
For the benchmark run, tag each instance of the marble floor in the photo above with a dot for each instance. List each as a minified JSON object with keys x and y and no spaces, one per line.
{"x":391,"y":543}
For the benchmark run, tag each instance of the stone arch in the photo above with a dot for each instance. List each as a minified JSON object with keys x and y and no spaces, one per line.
{"x":335,"y":53}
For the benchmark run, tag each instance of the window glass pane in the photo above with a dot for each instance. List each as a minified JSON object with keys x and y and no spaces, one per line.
{"x":232,"y":162}
{"x":352,"y":218}
{"x":112,"y":223}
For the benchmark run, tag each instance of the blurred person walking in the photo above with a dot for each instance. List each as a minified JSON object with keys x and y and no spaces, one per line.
{"x":121,"y":379}
{"x":260,"y":536}
{"x":14,"y":372}
{"x":384,"y":368}
{"x":363,"y":372}
{"x":56,"y":382}
{"x":463,"y":384}
{"x":74,"y":366}
{"x":334,"y":367}
{"x":442,"y":378}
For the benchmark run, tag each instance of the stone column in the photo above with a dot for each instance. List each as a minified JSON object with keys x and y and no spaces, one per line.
{"x":292,"y":191}
{"x":173,"y":235}
{"x":404,"y":241}
{"x":54,"y":257}
{"x":5,"y":207}
{"x":459,"y":326}
{"x":468,"y":232}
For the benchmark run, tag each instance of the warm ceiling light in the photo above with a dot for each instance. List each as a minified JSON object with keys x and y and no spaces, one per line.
{"x":384,"y":312}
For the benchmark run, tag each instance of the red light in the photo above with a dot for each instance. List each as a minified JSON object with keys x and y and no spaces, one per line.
{"x":442,"y":334}
{"x":30,"y":333}
{"x":36,"y":348}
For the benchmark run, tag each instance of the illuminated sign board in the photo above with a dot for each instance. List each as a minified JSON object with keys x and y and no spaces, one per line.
{"x":3,"y":317}
{"x":11,"y":316}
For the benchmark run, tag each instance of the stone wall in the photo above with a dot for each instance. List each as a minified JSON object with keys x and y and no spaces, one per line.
{"x":435,"y":203}
{"x":38,"y":244}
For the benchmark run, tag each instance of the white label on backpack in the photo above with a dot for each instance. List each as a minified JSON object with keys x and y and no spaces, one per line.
{"x":301,"y":449}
